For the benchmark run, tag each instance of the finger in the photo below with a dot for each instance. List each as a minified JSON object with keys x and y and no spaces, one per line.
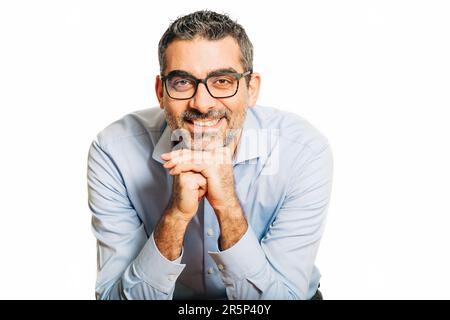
{"x":185,"y":167}
{"x":201,"y":194}
{"x":201,"y":181}
{"x":165,"y":156}
{"x":203,"y":186}
{"x":169,"y":164}
{"x":200,"y":198}
{"x":193,"y":157}
{"x":175,"y":153}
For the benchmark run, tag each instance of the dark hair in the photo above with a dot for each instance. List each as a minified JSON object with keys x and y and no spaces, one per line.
{"x":208,"y":25}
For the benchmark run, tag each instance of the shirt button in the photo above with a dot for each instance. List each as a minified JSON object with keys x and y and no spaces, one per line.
{"x":210,"y":232}
{"x":221,"y":267}
{"x":210,"y":270}
{"x":172,"y":277}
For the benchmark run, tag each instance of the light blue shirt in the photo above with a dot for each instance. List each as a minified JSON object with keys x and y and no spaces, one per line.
{"x":283,"y":176}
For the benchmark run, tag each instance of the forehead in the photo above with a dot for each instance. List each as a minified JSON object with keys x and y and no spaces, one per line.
{"x":200,"y":56}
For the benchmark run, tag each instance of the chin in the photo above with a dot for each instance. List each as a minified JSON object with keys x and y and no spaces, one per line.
{"x":207,"y":143}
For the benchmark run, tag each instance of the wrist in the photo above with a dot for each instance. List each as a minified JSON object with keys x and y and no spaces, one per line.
{"x":176,"y":216}
{"x":231,"y":207}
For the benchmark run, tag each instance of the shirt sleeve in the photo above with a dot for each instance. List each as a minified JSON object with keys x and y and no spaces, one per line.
{"x":129,"y":264}
{"x":281,"y":264}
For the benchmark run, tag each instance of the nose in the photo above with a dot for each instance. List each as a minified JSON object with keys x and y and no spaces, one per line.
{"x":202,"y":101}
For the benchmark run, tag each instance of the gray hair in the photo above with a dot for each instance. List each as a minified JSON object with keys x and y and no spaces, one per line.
{"x":208,"y":25}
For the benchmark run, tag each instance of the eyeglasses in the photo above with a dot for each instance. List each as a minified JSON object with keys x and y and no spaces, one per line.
{"x":181,"y":85}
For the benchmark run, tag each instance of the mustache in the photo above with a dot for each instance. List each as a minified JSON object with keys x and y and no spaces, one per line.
{"x":193,"y":114}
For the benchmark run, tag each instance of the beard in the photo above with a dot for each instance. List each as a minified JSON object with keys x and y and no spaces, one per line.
{"x":204,"y":140}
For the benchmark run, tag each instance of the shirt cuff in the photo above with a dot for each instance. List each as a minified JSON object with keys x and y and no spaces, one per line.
{"x":244,"y":259}
{"x":155,"y":269}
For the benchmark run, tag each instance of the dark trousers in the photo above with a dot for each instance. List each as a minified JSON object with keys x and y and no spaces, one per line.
{"x":317,"y":295}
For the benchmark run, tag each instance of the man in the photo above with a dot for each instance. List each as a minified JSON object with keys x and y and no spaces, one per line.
{"x":208,"y":196}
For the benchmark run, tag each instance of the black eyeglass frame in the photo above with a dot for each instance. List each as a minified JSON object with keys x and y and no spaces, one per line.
{"x":237,"y":75}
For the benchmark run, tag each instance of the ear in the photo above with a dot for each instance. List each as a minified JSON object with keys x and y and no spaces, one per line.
{"x":159,"y":91}
{"x":253,"y":88}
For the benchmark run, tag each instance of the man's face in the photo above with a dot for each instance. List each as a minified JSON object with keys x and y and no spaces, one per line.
{"x":207,"y":121}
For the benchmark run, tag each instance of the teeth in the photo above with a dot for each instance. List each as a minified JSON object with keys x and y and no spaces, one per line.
{"x":209,"y":123}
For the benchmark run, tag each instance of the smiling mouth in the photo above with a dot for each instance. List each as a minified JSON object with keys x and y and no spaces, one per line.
{"x":205,"y":123}
{"x":208,"y":123}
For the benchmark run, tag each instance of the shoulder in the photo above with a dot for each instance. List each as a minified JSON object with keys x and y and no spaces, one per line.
{"x":294,"y":131}
{"x":148,"y":122}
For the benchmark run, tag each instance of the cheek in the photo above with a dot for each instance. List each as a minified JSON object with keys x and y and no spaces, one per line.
{"x":236,"y":111}
{"x":173,"y":118}
{"x":239,"y":102}
{"x":235,"y":105}
{"x":174,"y":109}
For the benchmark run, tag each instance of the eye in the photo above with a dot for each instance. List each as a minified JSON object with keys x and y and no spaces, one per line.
{"x":222,"y":81}
{"x":179,"y":83}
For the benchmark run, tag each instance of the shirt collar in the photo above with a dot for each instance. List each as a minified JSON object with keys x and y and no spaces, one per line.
{"x":248,"y":147}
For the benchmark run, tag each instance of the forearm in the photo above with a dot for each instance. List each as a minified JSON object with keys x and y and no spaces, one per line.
{"x":232,"y":224}
{"x":169,"y":234}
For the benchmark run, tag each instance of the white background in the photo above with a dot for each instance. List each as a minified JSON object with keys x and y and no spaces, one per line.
{"x":373,"y":76}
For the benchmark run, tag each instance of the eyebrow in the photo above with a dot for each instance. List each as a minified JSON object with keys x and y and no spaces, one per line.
{"x":221,"y":71}
{"x":183,"y":73}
